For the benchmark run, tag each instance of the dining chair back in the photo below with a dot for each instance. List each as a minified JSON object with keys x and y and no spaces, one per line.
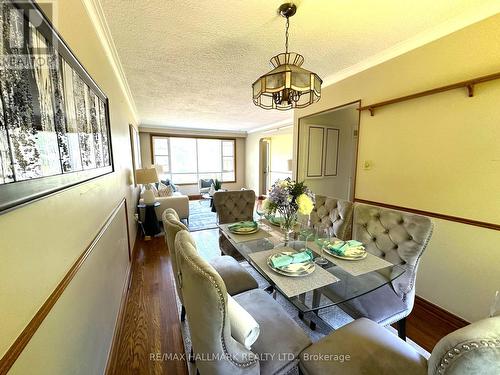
{"x":205,"y":298}
{"x":233,"y":206}
{"x":172,"y":225}
{"x":396,"y":236}
{"x":277,"y":347}
{"x":471,"y":350}
{"x":333,"y":213}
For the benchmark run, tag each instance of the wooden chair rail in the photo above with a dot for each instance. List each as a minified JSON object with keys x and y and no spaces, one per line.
{"x":469,"y":85}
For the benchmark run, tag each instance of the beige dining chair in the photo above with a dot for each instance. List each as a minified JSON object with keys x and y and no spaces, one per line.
{"x":333,"y":213}
{"x":233,"y":206}
{"x":279,"y":344}
{"x":374,"y":350}
{"x":400,"y":238}
{"x":236,"y":278}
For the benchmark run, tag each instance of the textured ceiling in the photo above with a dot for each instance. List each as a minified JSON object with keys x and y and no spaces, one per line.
{"x":191,"y":63}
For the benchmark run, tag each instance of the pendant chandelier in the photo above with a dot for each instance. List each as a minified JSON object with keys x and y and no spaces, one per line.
{"x":288,"y":85}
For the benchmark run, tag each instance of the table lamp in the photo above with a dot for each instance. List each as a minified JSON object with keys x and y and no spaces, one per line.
{"x":146,"y":177}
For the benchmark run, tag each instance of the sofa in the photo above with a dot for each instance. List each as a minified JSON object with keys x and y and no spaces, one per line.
{"x":178,"y":201}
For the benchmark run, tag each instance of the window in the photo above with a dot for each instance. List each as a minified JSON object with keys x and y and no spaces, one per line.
{"x":187,"y":160}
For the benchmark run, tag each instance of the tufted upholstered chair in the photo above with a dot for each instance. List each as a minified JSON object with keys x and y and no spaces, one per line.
{"x":400,"y":238}
{"x":233,"y":206}
{"x":235,"y":276}
{"x":280,"y":341}
{"x":472,"y":350}
{"x":335,"y":214}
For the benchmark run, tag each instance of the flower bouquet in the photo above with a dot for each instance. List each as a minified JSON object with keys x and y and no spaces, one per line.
{"x":287,"y":198}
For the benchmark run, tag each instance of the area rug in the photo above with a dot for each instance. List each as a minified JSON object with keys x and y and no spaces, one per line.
{"x":201,"y":216}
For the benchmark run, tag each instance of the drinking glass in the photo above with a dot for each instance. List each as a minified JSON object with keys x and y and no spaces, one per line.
{"x":259,"y":210}
{"x":323,"y":237}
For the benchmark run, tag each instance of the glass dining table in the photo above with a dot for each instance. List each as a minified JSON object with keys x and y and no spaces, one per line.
{"x":310,"y":303}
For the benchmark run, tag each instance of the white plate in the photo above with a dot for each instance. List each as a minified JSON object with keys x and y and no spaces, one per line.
{"x":346,"y":258}
{"x":294,"y":269}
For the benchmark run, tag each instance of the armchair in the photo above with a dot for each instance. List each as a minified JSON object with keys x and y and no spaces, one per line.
{"x":205,"y":184}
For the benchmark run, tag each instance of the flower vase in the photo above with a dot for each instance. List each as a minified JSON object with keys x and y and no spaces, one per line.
{"x":287,"y":225}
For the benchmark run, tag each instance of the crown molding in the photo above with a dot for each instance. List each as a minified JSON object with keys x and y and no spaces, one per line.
{"x":190,"y":131}
{"x":481,"y":12}
{"x":274,"y":126}
{"x":96,"y":14}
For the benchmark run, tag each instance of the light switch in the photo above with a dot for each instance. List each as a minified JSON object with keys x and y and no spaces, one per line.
{"x":367,"y":165}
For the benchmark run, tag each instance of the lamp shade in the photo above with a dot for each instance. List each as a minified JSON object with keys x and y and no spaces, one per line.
{"x":288,"y":85}
{"x":146,"y":176}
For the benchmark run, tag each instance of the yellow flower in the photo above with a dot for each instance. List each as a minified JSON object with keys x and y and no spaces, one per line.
{"x":305,"y":204}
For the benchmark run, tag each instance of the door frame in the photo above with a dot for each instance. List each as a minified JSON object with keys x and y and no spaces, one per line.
{"x":264,"y":170}
{"x":332,"y":109}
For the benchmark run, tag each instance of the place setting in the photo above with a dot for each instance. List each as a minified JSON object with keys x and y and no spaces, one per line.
{"x":244,"y":231}
{"x":349,"y":255}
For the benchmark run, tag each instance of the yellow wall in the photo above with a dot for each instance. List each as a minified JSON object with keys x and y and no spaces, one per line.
{"x":192,"y":189}
{"x":40,"y":242}
{"x":439,"y":153}
{"x":281,"y":152}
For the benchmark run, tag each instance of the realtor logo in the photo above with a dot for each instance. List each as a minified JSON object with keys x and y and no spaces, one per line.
{"x":23,"y":43}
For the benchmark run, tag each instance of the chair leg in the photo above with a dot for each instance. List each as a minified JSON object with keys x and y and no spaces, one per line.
{"x":183,"y":313}
{"x":402,"y":329}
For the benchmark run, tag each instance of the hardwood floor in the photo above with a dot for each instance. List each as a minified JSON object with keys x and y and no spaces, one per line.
{"x":151,"y":323}
{"x":151,"y":326}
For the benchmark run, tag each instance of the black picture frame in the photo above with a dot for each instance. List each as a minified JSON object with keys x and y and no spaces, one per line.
{"x":16,"y":193}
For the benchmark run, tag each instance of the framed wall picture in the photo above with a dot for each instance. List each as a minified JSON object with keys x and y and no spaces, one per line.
{"x":135,"y":146}
{"x":54,"y":119}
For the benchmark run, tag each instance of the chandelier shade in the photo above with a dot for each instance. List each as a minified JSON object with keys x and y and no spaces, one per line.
{"x":288,"y":85}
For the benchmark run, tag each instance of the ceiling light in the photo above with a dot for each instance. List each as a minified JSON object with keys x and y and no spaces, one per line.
{"x":288,"y":85}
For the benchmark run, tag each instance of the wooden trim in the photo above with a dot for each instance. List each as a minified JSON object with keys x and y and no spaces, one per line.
{"x":457,"y":219}
{"x":309,"y":149}
{"x":120,"y":319}
{"x":22,"y":340}
{"x":167,"y":135}
{"x":428,"y":323}
{"x":326,"y":152}
{"x":354,"y":177}
{"x":469,"y":85}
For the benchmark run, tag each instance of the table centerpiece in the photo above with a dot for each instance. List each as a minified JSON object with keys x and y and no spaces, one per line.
{"x":287,"y":198}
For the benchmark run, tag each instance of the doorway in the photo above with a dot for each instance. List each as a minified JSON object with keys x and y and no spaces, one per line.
{"x":327,"y":149}
{"x":264,"y":165}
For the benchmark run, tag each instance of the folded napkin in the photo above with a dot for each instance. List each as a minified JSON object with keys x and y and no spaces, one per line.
{"x":244,"y":328}
{"x":350,"y":248}
{"x":243,"y":226}
{"x":284,"y":260}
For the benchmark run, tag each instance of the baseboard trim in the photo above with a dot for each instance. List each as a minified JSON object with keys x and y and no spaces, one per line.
{"x":120,"y":318}
{"x":428,"y":323}
{"x":15,"y":350}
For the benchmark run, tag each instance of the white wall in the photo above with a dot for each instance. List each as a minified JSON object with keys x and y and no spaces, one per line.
{"x":40,"y":241}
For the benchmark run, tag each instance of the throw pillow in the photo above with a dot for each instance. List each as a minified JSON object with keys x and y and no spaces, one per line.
{"x":165,"y":190}
{"x":154,"y":189}
{"x":168,"y":182}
